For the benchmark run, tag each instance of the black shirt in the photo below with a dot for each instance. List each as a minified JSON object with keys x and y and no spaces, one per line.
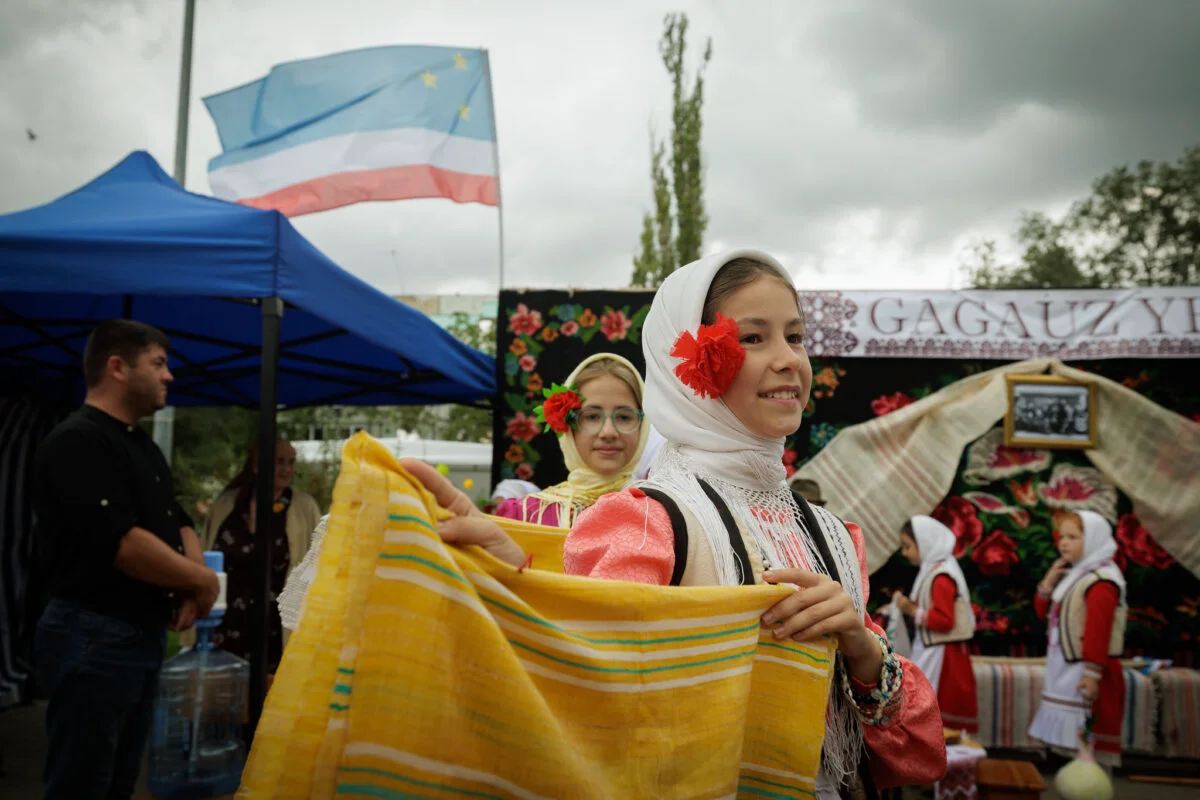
{"x":96,"y":477}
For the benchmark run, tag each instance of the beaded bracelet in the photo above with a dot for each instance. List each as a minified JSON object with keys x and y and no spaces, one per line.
{"x":875,"y":707}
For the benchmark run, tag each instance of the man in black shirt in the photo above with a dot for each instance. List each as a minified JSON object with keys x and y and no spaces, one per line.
{"x":123,"y":562}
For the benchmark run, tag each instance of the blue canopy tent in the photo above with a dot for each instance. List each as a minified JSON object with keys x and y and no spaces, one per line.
{"x":256,"y":314}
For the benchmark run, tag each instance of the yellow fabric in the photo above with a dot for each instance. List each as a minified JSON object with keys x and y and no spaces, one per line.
{"x":422,"y":670}
{"x":882,"y":472}
{"x":584,"y":486}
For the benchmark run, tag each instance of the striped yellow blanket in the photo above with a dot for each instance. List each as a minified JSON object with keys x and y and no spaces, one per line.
{"x":420,"y":670}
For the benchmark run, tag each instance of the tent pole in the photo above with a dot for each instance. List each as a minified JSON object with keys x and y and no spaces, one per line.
{"x":487,"y":71}
{"x":164,"y":418}
{"x":272,"y":317}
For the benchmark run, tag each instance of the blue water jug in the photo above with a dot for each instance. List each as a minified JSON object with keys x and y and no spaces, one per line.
{"x":196,"y":745}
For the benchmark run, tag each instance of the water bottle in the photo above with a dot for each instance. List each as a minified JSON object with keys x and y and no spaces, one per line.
{"x":196,"y":747}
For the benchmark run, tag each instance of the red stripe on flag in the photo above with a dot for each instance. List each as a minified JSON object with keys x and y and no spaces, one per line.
{"x":394,"y":183}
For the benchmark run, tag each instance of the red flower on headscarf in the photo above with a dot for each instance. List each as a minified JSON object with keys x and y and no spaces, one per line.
{"x":710,"y":360}
{"x":561,"y":404}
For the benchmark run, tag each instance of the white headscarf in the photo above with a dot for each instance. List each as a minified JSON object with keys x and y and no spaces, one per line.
{"x":1098,"y":550}
{"x":706,"y":439}
{"x":936,"y":544}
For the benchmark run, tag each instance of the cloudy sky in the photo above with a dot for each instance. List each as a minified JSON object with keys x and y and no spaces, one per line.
{"x":866,"y":143}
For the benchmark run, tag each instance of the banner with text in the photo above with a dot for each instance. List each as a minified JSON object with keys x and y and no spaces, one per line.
{"x":1065,"y":324}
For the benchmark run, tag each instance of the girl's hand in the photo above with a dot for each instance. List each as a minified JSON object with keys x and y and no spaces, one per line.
{"x":1053,"y":575}
{"x":906,"y":606}
{"x":819,"y":607}
{"x":1089,"y":689}
{"x":469,"y":525}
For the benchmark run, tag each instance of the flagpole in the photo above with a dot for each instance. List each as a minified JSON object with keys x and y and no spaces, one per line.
{"x":487,"y":71}
{"x":164,"y":418}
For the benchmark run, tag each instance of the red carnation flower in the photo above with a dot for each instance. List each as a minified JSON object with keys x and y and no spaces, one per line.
{"x":710,"y":360}
{"x":557,"y":410}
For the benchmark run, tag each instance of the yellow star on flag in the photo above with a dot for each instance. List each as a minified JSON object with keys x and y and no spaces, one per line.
{"x":459,"y":61}
{"x":430,"y":79}
{"x":464,"y":112}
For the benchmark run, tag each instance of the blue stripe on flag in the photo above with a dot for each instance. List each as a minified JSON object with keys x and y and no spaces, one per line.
{"x":376,"y":89}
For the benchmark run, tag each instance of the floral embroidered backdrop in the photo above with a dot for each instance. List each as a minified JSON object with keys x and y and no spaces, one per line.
{"x":1002,"y":502}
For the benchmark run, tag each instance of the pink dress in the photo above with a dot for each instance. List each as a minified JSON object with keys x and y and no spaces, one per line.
{"x":628,"y":537}
{"x":528,"y":509}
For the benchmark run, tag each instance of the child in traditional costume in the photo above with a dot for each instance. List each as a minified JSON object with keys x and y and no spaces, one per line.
{"x":1082,"y":597}
{"x":727,"y":379}
{"x":944,"y":621}
{"x":598,"y":418}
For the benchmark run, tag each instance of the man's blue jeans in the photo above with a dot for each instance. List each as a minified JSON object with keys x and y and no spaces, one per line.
{"x":101,"y":675}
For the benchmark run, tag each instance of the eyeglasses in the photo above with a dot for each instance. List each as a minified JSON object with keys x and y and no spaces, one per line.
{"x":625,"y":420}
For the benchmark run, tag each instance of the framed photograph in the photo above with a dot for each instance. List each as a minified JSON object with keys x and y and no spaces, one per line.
{"x":1050,"y":411}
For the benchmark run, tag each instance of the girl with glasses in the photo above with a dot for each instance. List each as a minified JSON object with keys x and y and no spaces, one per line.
{"x":601,"y":435}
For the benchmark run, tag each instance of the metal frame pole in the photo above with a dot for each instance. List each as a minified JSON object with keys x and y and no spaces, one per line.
{"x":487,"y":73}
{"x":272,"y":318}
{"x":164,"y":418}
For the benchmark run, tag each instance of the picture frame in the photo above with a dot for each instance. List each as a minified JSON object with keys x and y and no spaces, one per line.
{"x":1050,"y":411}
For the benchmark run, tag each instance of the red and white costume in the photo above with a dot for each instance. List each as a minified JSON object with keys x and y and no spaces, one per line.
{"x":945,"y":625}
{"x":1086,"y":620}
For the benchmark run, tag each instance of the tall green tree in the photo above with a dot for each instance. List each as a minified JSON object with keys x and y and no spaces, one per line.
{"x":674,"y":236}
{"x":1140,"y":226}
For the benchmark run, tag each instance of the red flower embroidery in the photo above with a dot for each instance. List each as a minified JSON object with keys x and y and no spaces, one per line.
{"x":710,"y":360}
{"x":524,"y":322}
{"x":524,"y":472}
{"x":569,"y":328}
{"x":557,"y":410}
{"x":959,"y":516}
{"x":1134,"y":543}
{"x":614,"y":325}
{"x":528,"y":363}
{"x":522,"y":428}
{"x":1025,"y":492}
{"x":996,"y":554}
{"x":889,"y":403}
{"x":789,"y":456}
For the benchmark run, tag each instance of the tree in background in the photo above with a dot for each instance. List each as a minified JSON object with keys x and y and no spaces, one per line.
{"x":211,"y":443}
{"x":670,"y":239}
{"x":1139,"y":227}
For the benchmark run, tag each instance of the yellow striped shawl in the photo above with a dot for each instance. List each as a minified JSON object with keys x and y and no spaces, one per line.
{"x":420,"y":670}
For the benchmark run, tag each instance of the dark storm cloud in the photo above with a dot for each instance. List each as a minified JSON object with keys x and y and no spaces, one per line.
{"x":863,"y":142}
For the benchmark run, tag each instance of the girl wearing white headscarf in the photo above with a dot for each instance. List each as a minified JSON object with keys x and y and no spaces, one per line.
{"x":727,"y":378}
{"x":601,"y":449}
{"x":1083,"y":597}
{"x":944,"y":620}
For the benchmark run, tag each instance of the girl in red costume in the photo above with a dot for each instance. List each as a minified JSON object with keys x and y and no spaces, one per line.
{"x":944,"y":620}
